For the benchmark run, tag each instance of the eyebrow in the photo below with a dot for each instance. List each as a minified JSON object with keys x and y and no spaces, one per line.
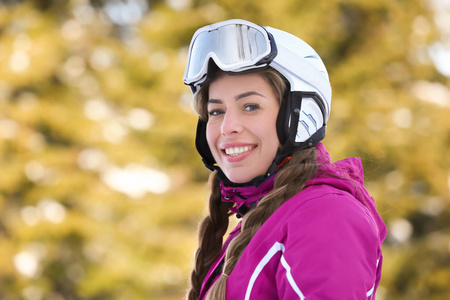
{"x":247,"y":94}
{"x":238,"y":97}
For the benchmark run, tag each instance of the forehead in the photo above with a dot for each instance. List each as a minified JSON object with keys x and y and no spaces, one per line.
{"x":229,"y":86}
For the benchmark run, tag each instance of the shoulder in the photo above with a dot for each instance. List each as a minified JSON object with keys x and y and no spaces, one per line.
{"x":329,"y":242}
{"x":325,"y":212}
{"x":322,"y":197}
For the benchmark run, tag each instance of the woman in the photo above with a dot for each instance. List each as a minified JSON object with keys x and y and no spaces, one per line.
{"x":309,"y":229}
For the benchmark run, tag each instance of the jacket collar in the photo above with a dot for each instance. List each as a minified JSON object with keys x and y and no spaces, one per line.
{"x":246,"y":197}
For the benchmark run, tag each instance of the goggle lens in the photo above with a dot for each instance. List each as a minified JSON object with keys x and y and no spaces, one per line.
{"x":233,"y":47}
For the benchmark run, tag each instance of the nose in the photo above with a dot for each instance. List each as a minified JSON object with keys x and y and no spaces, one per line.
{"x":231,"y":124}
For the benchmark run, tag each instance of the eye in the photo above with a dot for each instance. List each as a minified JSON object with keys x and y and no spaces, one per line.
{"x":251,"y":107}
{"x":215,"y":112}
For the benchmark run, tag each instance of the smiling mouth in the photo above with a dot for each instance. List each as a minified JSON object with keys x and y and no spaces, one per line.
{"x":235,"y":151}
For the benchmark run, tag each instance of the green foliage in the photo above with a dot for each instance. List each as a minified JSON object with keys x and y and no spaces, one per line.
{"x":101,"y":188}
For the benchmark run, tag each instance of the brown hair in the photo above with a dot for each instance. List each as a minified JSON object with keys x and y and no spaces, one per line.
{"x":290,"y":180}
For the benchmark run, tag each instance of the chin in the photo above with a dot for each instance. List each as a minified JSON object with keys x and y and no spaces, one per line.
{"x":238,"y":178}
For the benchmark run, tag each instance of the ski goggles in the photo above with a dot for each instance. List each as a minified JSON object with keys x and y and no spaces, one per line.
{"x":233,"y":45}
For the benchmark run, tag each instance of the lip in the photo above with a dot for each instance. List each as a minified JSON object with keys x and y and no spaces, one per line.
{"x":239,"y":157}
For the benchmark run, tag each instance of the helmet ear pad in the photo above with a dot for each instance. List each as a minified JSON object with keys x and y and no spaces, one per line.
{"x":287,"y":119}
{"x":201,"y":143}
{"x":289,"y":127}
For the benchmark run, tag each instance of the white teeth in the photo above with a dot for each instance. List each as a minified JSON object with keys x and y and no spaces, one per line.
{"x":235,"y":151}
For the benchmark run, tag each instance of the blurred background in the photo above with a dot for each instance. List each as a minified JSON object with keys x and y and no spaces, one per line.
{"x":101,"y":188}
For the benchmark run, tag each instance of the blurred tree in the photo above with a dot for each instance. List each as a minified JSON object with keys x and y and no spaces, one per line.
{"x":100,"y":185}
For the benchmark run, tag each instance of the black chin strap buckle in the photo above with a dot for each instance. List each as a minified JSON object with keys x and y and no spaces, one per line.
{"x":244,"y":209}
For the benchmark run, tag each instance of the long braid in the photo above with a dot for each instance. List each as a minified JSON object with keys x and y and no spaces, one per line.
{"x":290,"y":180}
{"x":211,"y":231}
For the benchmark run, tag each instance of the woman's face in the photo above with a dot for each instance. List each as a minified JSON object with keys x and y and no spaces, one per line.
{"x":241,"y":129}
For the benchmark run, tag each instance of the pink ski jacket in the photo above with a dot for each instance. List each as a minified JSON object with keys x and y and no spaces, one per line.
{"x":324,"y":243}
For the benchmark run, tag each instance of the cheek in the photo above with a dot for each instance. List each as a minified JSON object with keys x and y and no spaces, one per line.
{"x":271,"y":135}
{"x":271,"y":140}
